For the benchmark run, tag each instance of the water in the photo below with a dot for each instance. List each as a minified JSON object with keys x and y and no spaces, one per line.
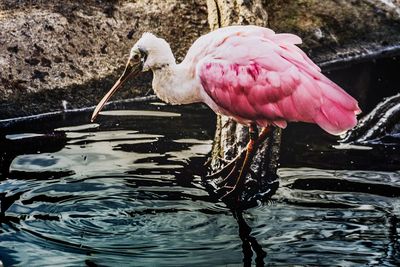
{"x":127,"y":191}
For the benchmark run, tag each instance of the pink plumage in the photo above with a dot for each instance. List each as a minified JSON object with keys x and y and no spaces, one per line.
{"x":248,"y":73}
{"x":254,"y":75}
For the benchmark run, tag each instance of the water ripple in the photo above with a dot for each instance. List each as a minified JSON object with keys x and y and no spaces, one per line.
{"x":120,"y":192}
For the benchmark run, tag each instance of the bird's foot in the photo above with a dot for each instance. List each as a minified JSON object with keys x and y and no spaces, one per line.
{"x":233,"y":194}
{"x":229,"y":187}
{"x":231,"y":166}
{"x":223,"y":190}
{"x":231,"y":178}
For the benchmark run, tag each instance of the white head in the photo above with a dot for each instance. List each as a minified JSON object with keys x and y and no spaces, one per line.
{"x":155,"y":52}
{"x":149,"y":53}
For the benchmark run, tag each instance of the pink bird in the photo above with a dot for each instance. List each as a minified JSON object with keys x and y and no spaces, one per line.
{"x":248,"y":73}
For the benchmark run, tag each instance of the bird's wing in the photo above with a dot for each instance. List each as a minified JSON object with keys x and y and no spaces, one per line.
{"x":268,"y":79}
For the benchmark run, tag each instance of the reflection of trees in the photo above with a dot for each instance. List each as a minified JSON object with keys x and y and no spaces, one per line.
{"x":249,"y":242}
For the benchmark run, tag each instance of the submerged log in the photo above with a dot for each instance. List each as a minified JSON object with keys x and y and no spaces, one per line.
{"x":381,"y":125}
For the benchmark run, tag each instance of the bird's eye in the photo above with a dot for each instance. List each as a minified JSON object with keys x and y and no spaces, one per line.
{"x":136,"y":57}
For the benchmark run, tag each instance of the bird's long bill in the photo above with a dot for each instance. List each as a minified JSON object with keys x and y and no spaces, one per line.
{"x":131,"y":69}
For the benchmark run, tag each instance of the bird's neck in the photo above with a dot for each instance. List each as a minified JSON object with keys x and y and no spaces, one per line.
{"x":175,"y":84}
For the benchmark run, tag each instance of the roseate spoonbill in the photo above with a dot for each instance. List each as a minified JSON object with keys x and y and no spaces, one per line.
{"x":249,"y":73}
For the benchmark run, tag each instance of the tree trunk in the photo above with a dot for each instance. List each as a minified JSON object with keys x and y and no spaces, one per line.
{"x":230,"y":137}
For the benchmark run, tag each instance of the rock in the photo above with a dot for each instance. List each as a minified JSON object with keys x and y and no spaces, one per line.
{"x":75,"y":50}
{"x":333,"y":30}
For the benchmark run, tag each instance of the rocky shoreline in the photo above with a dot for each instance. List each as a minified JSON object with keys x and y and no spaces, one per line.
{"x":73,"y":52}
{"x":70,"y":53}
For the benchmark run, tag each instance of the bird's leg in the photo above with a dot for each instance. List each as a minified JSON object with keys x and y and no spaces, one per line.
{"x":255,"y":141}
{"x":236,"y":164}
{"x":253,"y":132}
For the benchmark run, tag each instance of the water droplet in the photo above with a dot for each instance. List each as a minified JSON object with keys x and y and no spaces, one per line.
{"x":64,"y":104}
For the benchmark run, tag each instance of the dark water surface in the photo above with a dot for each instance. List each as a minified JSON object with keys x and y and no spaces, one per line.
{"x":126,"y":191}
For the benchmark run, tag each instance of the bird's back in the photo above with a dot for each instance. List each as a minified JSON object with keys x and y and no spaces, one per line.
{"x":254,"y":75}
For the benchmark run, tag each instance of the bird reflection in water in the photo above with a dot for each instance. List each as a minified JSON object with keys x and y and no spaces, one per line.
{"x":249,"y":242}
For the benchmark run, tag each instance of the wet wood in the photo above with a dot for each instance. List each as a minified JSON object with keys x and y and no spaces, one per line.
{"x":381,"y":125}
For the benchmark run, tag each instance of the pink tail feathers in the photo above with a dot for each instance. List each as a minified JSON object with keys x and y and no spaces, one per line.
{"x":338,"y":112}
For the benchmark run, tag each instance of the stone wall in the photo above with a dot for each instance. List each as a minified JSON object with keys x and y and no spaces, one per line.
{"x":52,"y":51}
